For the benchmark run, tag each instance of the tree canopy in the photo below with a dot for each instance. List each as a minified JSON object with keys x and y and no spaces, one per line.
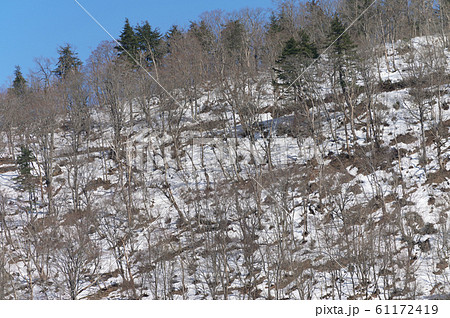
{"x":19,"y":84}
{"x":68,"y":61}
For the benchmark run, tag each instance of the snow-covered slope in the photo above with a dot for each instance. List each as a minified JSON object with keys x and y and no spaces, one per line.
{"x":284,"y":207}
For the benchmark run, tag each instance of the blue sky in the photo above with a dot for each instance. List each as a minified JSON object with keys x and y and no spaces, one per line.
{"x":36,"y":28}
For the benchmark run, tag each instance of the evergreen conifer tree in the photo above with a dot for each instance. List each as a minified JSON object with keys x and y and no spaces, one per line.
{"x":344,"y":45}
{"x":149,"y":43}
{"x":343,"y":50}
{"x":287,"y":61}
{"x":275,"y":24}
{"x":233,"y":36}
{"x":67,"y":61}
{"x":24,"y":163}
{"x":203,"y":34}
{"x":307,"y":49}
{"x":173,"y":34}
{"x":19,"y":83}
{"x":129,"y":43}
{"x":25,"y":178}
{"x":296,"y":56}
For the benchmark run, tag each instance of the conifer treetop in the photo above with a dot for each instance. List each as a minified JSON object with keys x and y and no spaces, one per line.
{"x":19,"y":83}
{"x":67,"y":61}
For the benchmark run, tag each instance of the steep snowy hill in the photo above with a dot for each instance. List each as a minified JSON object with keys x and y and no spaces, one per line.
{"x":336,"y":198}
